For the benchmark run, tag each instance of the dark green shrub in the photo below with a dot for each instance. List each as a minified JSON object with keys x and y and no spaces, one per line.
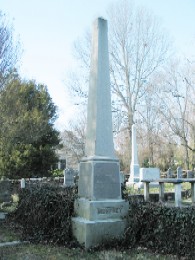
{"x":164,"y":229}
{"x":44,"y":213}
{"x":57,"y":173}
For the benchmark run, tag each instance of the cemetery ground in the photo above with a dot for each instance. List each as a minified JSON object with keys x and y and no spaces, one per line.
{"x":51,"y":252}
{"x":31,"y":250}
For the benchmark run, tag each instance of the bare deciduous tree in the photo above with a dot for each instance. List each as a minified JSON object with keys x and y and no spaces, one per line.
{"x":73,"y":142}
{"x":177,"y":105}
{"x":138,"y":47}
{"x":9,"y":51}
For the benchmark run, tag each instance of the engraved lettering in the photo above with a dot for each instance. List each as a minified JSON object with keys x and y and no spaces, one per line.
{"x":109,"y":210}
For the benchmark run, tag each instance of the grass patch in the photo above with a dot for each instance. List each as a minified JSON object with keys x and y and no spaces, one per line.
{"x":49,"y":252}
{"x":35,"y":252}
{"x":7,"y":234}
{"x":169,"y":187}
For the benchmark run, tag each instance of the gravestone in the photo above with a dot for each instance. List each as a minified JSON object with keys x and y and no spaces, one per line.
{"x":169,"y":173}
{"x":134,"y":168}
{"x":99,"y":210}
{"x":62,"y":164}
{"x":190,"y":174}
{"x":69,"y":176}
{"x":22,"y":183}
{"x":179,"y":172}
{"x":5,"y":190}
{"x":149,"y":173}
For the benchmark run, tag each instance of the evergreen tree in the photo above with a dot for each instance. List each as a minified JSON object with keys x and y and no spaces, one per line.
{"x":27,"y":135}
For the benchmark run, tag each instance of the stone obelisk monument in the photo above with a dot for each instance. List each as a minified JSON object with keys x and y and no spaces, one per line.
{"x":99,"y":209}
{"x":134,"y":168}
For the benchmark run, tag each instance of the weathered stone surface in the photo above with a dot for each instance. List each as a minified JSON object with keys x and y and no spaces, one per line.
{"x":106,"y":181}
{"x":149,"y":173}
{"x":69,"y":175}
{"x":179,"y":172}
{"x":99,"y":180}
{"x":92,"y":233}
{"x":99,"y":135}
{"x":169,"y":173}
{"x":22,"y":183}
{"x":2,"y":216}
{"x":11,"y":244}
{"x":190,"y":174}
{"x":85,"y":184}
{"x":101,"y":210}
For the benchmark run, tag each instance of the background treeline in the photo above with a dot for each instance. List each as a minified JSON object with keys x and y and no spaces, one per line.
{"x":152,"y":87}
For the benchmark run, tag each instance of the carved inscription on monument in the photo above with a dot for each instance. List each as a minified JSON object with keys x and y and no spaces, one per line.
{"x":109,"y":210}
{"x":106,"y":181}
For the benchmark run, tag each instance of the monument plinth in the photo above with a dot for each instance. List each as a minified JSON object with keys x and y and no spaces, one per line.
{"x":100,"y":210}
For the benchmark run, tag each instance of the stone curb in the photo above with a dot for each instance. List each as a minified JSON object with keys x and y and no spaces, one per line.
{"x":13,"y":243}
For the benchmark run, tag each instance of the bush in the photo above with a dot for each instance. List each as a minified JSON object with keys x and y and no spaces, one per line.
{"x":57,"y":173}
{"x":44,"y":213}
{"x":164,"y":229}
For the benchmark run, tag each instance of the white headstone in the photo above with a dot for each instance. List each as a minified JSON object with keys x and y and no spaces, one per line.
{"x":69,"y":175}
{"x":22,"y":183}
{"x":179,"y":172}
{"x":169,"y":173}
{"x":149,"y":173}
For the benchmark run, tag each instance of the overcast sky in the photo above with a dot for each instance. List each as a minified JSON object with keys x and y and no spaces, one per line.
{"x":48,"y":28}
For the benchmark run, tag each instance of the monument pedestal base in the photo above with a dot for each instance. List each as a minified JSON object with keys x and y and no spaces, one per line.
{"x":93,"y":233}
{"x":99,"y":221}
{"x":100,"y":211}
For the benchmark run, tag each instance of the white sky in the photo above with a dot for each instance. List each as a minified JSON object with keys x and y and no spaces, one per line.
{"x":48,"y":28}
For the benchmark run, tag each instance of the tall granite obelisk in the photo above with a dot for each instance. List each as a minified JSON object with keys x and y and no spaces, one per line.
{"x":99,"y":137}
{"x":99,"y":209}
